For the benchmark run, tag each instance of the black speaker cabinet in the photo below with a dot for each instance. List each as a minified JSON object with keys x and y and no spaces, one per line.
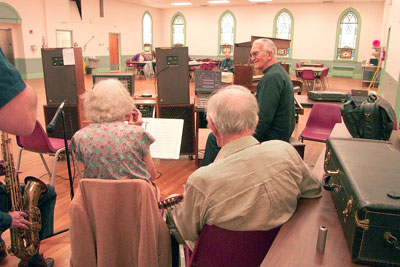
{"x":185,"y":112}
{"x":172,"y":75}
{"x":63,"y":74}
{"x":72,"y":120}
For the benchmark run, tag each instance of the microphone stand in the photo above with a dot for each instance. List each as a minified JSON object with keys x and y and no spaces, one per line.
{"x":71,"y":183}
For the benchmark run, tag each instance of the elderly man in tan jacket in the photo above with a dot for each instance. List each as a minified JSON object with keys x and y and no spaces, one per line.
{"x":251,"y":185}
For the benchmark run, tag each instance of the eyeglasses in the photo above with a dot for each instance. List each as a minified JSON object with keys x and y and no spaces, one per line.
{"x":254,"y":54}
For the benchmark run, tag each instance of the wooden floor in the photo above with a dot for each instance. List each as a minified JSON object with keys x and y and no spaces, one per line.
{"x":174,"y":173}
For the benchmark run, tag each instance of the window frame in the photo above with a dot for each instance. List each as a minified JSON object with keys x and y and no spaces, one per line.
{"x":338,"y":32}
{"x":151,"y":31}
{"x":172,"y":28}
{"x":290,"y":54}
{"x":70,"y":34}
{"x":220,"y":31}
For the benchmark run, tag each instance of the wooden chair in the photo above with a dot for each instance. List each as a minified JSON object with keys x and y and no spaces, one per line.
{"x":297,"y":86}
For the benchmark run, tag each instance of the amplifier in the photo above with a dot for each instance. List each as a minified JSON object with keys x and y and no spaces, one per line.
{"x":127,"y":79}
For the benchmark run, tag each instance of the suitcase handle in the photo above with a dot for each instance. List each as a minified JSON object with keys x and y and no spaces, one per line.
{"x":325,"y":182}
{"x":392,"y":240}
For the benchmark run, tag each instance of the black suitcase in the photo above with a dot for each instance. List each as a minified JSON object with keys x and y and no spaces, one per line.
{"x":364,"y":177}
{"x":328,"y":96}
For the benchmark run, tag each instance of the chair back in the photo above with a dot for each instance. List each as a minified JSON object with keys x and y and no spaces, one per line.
{"x":307,"y":75}
{"x":323,"y":117}
{"x":103,"y":233}
{"x":203,"y":66}
{"x":324,"y":73}
{"x":221,"y":247}
{"x":299,"y":85}
{"x":38,"y":141}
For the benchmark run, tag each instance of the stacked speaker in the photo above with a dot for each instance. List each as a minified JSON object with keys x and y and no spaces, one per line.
{"x":173,"y":92}
{"x":64,"y":80}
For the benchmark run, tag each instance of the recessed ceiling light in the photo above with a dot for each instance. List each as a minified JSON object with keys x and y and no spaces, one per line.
{"x":181,"y":4}
{"x":259,"y":1}
{"x":219,"y":2}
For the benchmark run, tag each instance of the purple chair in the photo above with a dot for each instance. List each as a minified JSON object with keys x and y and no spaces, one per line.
{"x":221,"y":247}
{"x":323,"y":78}
{"x":308,"y":78}
{"x":203,"y":66}
{"x":39,"y":142}
{"x":320,"y":123}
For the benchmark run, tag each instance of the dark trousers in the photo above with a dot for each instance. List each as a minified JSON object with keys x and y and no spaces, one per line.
{"x":46,"y":204}
{"x":211,"y":151}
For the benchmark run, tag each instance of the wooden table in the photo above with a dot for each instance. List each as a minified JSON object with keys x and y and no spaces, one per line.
{"x":316,"y":70}
{"x":295,"y":244}
{"x":340,"y":130}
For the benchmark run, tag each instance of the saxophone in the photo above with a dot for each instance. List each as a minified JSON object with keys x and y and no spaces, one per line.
{"x":24,"y":243}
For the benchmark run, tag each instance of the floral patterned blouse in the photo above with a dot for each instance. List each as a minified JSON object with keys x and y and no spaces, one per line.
{"x":113,"y":150}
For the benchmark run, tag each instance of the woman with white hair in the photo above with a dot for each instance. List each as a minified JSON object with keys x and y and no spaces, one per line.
{"x":110,"y":148}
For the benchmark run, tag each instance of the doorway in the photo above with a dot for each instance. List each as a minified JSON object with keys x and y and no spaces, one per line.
{"x":114,"y":51}
{"x":7,"y":45}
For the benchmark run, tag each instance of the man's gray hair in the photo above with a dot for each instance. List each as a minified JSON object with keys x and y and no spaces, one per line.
{"x":233,"y":109}
{"x":267,"y":44}
{"x":108,"y":101}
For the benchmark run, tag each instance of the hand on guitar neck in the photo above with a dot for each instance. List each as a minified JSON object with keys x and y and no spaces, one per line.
{"x":170,"y":202}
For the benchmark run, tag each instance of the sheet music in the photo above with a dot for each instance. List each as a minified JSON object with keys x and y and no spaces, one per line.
{"x":168,"y":135}
{"x":68,"y":56}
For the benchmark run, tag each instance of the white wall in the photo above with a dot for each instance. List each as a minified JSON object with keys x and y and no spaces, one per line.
{"x":314,"y":26}
{"x":393,"y":21}
{"x":44,"y":17}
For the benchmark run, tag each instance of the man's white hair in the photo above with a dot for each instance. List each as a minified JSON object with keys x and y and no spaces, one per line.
{"x":267,"y":44}
{"x":233,"y":109}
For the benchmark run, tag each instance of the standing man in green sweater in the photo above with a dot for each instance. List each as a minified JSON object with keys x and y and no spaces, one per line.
{"x":275,"y":98}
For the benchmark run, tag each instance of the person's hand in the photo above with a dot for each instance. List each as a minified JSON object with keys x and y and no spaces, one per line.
{"x":19,"y":220}
{"x":226,"y":69}
{"x":135,"y":118}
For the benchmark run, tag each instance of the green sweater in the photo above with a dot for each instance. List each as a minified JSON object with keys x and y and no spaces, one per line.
{"x":227,"y":63}
{"x":275,"y":98}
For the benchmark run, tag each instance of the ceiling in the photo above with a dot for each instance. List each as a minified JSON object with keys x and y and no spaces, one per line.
{"x":203,"y":3}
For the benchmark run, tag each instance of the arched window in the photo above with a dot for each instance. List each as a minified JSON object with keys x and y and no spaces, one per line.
{"x":227,"y":28}
{"x":147,"y":30}
{"x":178,"y":30}
{"x":348,"y":35}
{"x":283,"y":29}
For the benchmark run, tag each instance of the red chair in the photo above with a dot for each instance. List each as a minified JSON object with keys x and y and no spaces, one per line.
{"x":221,"y":247}
{"x":308,"y":78}
{"x":203,"y":66}
{"x":39,"y":142}
{"x":322,"y":78}
{"x":320,"y":123}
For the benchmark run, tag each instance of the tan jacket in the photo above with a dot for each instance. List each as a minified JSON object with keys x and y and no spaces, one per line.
{"x":117,"y":223}
{"x":250,"y":186}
